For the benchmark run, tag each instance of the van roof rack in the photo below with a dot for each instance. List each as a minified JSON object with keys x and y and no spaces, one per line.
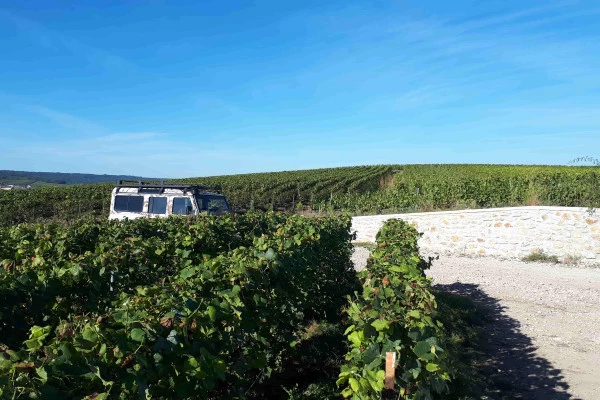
{"x":160,"y":187}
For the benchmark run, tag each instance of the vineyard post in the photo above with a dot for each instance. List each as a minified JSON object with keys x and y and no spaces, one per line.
{"x":390,"y":375}
{"x":390,"y":369}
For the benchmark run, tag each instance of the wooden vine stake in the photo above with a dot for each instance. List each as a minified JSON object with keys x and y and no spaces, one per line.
{"x":388,"y":392}
{"x":390,"y":370}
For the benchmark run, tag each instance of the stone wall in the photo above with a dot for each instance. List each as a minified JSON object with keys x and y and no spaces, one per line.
{"x":511,"y":232}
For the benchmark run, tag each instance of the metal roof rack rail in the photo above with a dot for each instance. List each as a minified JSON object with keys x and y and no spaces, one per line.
{"x":162,"y":186}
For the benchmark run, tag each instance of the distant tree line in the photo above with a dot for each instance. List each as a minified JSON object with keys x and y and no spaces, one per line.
{"x":8,"y":177}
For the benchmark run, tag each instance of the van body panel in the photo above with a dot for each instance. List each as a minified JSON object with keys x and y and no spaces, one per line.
{"x":134,"y":202}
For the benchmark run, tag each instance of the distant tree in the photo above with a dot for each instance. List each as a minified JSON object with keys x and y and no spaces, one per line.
{"x":587,"y":160}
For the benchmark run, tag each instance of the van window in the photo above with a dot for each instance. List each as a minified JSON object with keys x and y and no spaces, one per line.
{"x":129,"y":203}
{"x":211,"y":203}
{"x":182,"y":206}
{"x":157,"y":205}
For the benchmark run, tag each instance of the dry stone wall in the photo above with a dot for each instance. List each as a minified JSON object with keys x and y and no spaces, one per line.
{"x":515,"y":232}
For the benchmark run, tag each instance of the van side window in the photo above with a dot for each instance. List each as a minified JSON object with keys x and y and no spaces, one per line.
{"x":182,"y":206}
{"x":157,"y":205}
{"x":129,"y":203}
{"x":211,"y":203}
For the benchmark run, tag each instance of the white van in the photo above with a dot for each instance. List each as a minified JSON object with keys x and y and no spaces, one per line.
{"x":159,"y":200}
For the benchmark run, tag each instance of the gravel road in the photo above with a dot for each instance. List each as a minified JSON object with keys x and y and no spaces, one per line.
{"x":544,"y":330}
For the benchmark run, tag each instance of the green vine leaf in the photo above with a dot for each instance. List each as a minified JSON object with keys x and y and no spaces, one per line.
{"x":138,"y":335}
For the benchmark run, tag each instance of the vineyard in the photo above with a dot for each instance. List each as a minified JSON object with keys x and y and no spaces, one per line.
{"x":211,"y":307}
{"x":317,"y":189}
{"x":444,"y":186}
{"x":252,"y":306}
{"x":186,"y":308}
{"x":358,"y":190}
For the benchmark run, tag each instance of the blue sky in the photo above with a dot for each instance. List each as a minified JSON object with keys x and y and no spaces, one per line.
{"x":197,"y":88}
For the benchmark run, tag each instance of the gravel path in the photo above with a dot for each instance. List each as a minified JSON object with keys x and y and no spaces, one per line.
{"x":544,"y":332}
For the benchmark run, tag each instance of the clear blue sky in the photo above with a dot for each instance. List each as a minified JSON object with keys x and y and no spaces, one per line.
{"x":196,"y":88}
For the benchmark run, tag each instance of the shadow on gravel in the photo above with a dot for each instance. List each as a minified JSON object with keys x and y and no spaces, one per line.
{"x":504,"y":357}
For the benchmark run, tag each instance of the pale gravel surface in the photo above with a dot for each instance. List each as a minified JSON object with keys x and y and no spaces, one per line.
{"x":359,"y":257}
{"x":545,"y":327}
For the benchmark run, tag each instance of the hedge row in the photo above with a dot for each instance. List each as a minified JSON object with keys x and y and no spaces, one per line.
{"x":180,"y":308}
{"x":395,"y":313}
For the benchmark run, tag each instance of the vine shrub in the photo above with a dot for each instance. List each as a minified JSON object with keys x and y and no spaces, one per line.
{"x":395,"y":313}
{"x":196,"y":308}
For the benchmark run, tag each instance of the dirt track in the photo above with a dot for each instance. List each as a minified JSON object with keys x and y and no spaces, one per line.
{"x":544,"y":332}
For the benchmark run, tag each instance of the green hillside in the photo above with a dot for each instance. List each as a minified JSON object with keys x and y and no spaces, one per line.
{"x":292,"y":190}
{"x":358,"y":190}
{"x":392,"y":188}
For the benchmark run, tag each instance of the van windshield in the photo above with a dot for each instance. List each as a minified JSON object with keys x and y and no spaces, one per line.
{"x":207,"y":202}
